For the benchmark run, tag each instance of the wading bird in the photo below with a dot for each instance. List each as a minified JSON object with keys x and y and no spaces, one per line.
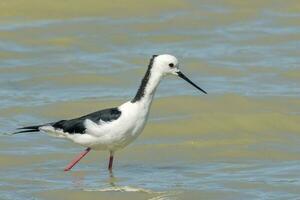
{"x":114,"y":128}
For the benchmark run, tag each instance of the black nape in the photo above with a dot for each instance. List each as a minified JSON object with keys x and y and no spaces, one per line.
{"x":141,"y":91}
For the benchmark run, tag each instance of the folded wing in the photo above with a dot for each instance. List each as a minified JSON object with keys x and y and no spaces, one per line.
{"x":77,"y":125}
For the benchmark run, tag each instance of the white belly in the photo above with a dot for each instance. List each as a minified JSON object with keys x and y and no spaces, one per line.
{"x":116,"y":134}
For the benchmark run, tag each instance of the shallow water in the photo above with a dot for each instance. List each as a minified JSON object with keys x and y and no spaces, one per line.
{"x":241,"y":141}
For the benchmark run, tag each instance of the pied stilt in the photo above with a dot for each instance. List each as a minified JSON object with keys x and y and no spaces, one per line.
{"x":114,"y":128}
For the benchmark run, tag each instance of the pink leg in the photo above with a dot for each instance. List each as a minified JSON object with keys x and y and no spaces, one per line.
{"x":77,"y":159}
{"x":111,"y":159}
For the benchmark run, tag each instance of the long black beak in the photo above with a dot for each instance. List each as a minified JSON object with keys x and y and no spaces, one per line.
{"x":181,"y":75}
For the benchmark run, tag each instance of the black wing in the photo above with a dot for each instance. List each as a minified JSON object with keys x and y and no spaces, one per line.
{"x":77,"y":125}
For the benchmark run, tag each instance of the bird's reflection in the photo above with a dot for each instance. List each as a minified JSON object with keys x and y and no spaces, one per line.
{"x":78,"y":179}
{"x":112,"y":180}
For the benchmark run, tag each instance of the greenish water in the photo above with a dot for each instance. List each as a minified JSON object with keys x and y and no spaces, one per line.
{"x":61,"y":59}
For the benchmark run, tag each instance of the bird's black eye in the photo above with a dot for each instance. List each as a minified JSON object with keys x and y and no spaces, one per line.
{"x":171,"y":65}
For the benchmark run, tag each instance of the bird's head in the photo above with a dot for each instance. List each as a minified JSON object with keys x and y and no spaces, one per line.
{"x":168,"y":64}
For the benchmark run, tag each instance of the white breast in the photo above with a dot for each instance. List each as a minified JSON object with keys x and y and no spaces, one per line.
{"x":116,"y":134}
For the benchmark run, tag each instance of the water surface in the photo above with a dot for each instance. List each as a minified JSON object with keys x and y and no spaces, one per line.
{"x":241,"y":141}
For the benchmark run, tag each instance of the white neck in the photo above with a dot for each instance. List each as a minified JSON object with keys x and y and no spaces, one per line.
{"x":150,"y":89}
{"x":147,"y":88}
